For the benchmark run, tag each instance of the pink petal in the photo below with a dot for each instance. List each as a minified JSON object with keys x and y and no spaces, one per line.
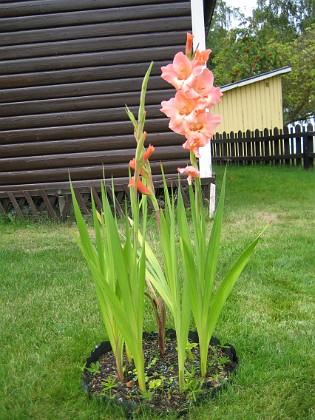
{"x":182,"y":66}
{"x":191,"y":171}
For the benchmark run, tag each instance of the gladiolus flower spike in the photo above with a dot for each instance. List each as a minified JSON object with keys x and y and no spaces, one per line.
{"x":189,"y":111}
{"x":121,"y":263}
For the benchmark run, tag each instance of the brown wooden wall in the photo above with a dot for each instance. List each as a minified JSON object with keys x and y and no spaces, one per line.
{"x":67,"y":70}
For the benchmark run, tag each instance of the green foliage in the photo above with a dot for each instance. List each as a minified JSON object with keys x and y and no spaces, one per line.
{"x":248,"y":52}
{"x":199,"y":256}
{"x":299,"y":84}
{"x":193,"y":387}
{"x":108,"y":385}
{"x":164,"y":277}
{"x":155,"y":383}
{"x":94,"y":368}
{"x":189,"y":347}
{"x":50,"y":323}
{"x":119,"y":276}
{"x":290,"y":17}
{"x":278,"y":34}
{"x":117,"y":264}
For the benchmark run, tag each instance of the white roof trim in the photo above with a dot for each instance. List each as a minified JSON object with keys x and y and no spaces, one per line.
{"x":197,"y":23}
{"x":255,"y":79}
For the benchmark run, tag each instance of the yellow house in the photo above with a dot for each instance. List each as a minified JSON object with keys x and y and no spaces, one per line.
{"x":253,"y":103}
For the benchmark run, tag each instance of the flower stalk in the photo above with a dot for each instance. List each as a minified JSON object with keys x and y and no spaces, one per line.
{"x":121,"y":264}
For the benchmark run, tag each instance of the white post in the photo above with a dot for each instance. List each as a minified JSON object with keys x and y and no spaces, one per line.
{"x":198,"y":30}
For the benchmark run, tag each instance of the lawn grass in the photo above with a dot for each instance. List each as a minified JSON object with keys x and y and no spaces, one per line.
{"x":49,"y":319}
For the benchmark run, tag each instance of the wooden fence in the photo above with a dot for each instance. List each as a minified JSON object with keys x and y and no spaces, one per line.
{"x":294,"y":146}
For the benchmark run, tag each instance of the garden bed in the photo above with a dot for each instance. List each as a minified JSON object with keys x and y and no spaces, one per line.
{"x":162,"y":395}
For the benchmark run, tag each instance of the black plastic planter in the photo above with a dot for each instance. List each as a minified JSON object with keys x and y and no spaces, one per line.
{"x":167,"y":400}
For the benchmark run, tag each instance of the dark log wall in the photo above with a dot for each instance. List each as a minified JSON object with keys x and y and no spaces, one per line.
{"x":67,"y":70}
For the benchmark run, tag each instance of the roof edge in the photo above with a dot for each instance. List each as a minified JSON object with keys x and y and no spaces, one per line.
{"x":255,"y":79}
{"x":208,"y":7}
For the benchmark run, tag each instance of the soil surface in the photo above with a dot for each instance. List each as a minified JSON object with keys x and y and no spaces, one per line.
{"x":163,"y":395}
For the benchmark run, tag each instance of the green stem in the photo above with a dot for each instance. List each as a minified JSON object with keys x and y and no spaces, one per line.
{"x":181,"y":364}
{"x":194,"y":163}
{"x":203,"y":349}
{"x":119,"y":359}
{"x":139,"y":362}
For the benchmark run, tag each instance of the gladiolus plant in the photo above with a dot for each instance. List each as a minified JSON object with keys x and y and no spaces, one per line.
{"x":122,"y":263}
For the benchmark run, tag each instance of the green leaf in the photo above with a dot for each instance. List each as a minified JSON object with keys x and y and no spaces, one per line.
{"x":132,"y":118}
{"x":141,"y":112}
{"x":228,"y":282}
{"x":213,"y":247}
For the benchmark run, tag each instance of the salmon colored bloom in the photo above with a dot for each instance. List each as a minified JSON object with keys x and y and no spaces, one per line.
{"x":201,"y":57}
{"x":199,"y":61}
{"x":177,"y":72}
{"x":200,"y":131}
{"x":143,"y":189}
{"x":183,"y":70}
{"x":147,"y":154}
{"x":180,"y":110}
{"x":191,"y":171}
{"x":188,"y":111}
{"x":213,"y":98}
{"x":132,"y":164}
{"x":189,"y":45}
{"x":202,"y":87}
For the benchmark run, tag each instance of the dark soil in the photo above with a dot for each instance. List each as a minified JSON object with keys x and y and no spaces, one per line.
{"x":163,"y":396}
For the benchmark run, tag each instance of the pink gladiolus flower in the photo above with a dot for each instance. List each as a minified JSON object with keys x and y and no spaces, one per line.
{"x":180,"y":110}
{"x":178,"y":72}
{"x":199,"y":61}
{"x":188,"y":110}
{"x":202,"y":87}
{"x":191,"y":171}
{"x":132,"y":164}
{"x":182,"y":70}
{"x":195,"y":142}
{"x":200,"y":131}
{"x":201,"y":57}
{"x":213,"y":97}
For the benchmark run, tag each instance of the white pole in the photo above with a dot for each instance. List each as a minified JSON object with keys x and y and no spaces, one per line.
{"x":198,"y":30}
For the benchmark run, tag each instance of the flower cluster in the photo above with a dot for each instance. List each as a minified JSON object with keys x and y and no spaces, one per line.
{"x":189,"y":110}
{"x":122,"y":262}
{"x":144,"y":171}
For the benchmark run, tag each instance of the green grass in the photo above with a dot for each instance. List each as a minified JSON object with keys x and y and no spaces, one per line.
{"x":49,"y":319}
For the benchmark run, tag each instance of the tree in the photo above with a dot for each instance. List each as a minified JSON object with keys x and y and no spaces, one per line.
{"x":299,"y":84}
{"x":245,"y":52}
{"x":279,"y":33}
{"x":290,"y":17}
{"x":221,"y":24}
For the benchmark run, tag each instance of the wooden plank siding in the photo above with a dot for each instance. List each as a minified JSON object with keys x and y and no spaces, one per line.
{"x":67,"y":70}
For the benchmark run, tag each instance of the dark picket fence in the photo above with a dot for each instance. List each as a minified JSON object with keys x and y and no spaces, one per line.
{"x":290,"y":146}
